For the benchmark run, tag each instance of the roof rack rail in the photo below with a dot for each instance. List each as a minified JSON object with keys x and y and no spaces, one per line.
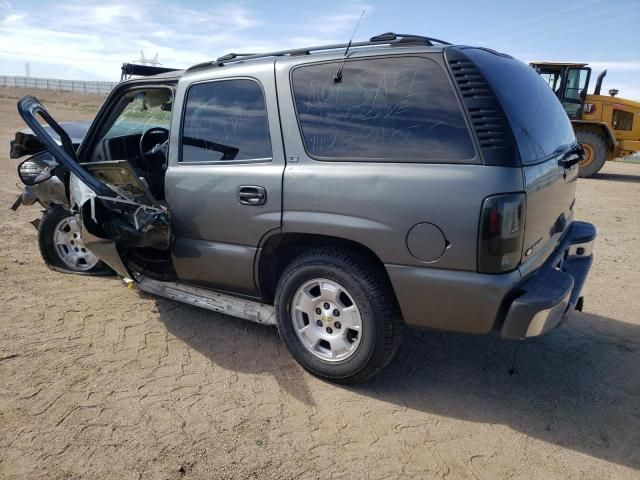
{"x":388,"y":38}
{"x":233,"y":56}
{"x":406,"y":38}
{"x":129,"y":69}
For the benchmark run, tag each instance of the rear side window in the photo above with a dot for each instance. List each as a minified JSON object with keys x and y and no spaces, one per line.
{"x":225,"y":120}
{"x":384,"y":109}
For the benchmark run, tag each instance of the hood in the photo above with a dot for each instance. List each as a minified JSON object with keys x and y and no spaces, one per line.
{"x":26,"y":143}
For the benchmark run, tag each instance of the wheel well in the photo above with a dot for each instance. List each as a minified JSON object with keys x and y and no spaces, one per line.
{"x":280,"y":249}
{"x":598,"y":129}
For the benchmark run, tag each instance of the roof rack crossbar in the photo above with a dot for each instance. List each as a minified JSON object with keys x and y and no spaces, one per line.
{"x":389,"y":38}
{"x":232,"y":56}
{"x":406,"y":38}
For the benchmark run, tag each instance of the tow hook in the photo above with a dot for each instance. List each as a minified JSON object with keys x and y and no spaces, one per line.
{"x":580,"y":304}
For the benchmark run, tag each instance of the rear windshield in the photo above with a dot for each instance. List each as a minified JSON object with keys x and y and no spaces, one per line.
{"x":539,"y":123}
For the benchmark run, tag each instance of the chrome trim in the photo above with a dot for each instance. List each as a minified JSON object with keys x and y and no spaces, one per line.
{"x":209,"y":299}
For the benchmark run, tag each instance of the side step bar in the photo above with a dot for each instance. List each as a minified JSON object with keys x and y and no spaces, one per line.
{"x":204,"y":298}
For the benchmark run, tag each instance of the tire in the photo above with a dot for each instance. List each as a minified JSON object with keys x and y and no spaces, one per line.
{"x":58,"y":255}
{"x":595,"y":147}
{"x":347,"y":355}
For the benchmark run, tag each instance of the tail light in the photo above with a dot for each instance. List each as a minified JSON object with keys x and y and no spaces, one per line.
{"x":501,"y":233}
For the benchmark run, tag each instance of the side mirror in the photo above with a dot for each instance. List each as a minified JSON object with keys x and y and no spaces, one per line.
{"x":37,"y":169}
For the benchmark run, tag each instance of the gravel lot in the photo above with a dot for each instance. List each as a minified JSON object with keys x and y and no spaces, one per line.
{"x":98,"y":381}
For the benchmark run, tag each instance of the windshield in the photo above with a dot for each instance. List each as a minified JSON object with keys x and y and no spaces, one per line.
{"x":145,"y":110}
{"x":539,"y":123}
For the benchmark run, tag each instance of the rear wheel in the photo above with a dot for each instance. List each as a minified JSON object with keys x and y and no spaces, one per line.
{"x":336,"y":314}
{"x":61,"y":246}
{"x":595,"y":152}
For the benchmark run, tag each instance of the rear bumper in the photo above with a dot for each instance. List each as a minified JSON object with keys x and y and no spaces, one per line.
{"x":543,"y":301}
{"x":472,"y":302}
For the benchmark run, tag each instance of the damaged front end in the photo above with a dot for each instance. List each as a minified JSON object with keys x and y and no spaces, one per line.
{"x":115,"y":209}
{"x":114,"y":226}
{"x":26,"y":142}
{"x":43,"y":182}
{"x":43,"y":177}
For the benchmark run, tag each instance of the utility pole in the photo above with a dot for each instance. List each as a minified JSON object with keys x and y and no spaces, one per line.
{"x":27,"y":69}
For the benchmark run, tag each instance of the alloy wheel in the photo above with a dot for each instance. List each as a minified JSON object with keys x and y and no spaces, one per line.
{"x":326,"y":319}
{"x":69,"y":246}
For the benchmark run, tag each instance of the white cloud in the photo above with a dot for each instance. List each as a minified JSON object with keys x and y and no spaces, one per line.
{"x":631,"y":66}
{"x":625,"y":90}
{"x":97,"y":38}
{"x":621,"y":75}
{"x":90,"y":39}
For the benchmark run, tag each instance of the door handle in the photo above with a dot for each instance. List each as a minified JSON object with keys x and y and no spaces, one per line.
{"x":252,"y":195}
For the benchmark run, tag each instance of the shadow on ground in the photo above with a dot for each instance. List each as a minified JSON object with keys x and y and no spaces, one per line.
{"x":578,"y":387}
{"x":234,"y":344}
{"x":617,"y":177}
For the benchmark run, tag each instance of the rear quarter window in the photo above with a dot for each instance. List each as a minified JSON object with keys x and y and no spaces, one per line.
{"x":384,"y":109}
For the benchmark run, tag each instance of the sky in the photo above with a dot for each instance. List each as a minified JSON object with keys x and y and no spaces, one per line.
{"x":89,"y":39}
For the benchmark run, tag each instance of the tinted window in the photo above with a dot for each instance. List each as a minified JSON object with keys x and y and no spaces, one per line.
{"x":536,"y":116}
{"x":392,"y":109}
{"x":225,"y":120}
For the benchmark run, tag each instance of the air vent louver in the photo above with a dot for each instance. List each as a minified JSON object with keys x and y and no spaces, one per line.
{"x":470,"y":82}
{"x":491,"y":127}
{"x":487,"y":118}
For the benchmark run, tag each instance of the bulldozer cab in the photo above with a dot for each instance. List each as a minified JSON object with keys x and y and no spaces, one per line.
{"x":569,"y":81}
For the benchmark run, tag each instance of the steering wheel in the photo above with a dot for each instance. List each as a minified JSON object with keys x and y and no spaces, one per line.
{"x":148,"y":152}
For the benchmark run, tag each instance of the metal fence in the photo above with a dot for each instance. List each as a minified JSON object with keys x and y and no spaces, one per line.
{"x":79,"y":86}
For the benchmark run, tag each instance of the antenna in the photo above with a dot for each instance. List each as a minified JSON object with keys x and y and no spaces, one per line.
{"x":338,"y":76}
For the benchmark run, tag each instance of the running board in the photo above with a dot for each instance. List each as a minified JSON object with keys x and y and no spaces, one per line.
{"x":204,"y":298}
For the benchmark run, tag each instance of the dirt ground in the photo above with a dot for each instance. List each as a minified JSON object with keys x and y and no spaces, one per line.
{"x":98,"y":381}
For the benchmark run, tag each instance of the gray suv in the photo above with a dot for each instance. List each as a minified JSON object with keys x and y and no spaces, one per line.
{"x":339,"y":192}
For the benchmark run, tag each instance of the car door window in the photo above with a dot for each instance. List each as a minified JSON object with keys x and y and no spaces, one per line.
{"x":225,"y":120}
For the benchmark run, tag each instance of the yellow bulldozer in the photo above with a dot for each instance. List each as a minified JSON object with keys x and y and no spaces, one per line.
{"x":607,"y":126}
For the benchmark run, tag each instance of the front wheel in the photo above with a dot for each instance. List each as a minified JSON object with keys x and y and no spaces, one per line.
{"x":61,"y":246}
{"x":337,"y":315}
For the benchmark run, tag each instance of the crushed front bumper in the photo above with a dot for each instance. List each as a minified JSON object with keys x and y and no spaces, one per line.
{"x":544,"y":300}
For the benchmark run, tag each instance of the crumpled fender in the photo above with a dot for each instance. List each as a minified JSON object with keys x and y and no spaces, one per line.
{"x":82,"y":199}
